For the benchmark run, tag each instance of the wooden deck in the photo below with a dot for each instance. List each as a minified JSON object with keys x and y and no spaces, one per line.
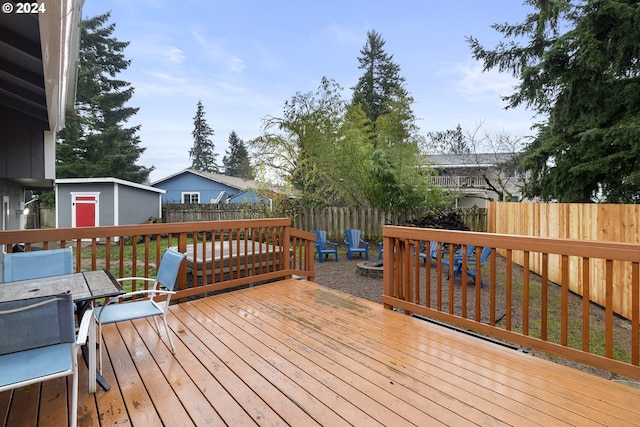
{"x":297,"y":353}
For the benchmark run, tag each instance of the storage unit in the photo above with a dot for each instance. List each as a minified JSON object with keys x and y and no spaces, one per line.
{"x":92,"y":202}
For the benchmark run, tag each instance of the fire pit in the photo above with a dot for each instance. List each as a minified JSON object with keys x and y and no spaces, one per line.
{"x":371,"y":269}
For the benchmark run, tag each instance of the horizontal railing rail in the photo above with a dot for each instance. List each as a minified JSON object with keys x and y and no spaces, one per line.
{"x":513,"y":304}
{"x":221,"y":254}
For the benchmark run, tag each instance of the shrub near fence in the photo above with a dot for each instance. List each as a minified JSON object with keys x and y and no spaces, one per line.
{"x":333,"y":219}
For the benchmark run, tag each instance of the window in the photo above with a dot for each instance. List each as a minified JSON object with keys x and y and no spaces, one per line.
{"x":190,"y":197}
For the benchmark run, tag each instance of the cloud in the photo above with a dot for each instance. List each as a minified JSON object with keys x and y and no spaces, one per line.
{"x":345,"y":35}
{"x":475,"y":85}
{"x":155,"y":49}
{"x":215,"y":50}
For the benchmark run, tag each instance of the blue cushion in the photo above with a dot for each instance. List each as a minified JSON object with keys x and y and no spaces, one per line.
{"x":36,"y":363}
{"x":126,"y":311}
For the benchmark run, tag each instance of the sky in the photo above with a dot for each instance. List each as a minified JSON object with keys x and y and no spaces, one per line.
{"x":244,"y":58}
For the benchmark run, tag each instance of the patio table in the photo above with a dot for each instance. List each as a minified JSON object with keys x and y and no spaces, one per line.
{"x":85,"y":287}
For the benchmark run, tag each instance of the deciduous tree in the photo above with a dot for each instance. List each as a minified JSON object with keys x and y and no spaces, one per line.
{"x":296,"y":146}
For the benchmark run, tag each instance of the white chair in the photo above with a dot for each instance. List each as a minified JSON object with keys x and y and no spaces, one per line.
{"x":38,"y":343}
{"x":141,"y":304}
{"x":36,"y":264}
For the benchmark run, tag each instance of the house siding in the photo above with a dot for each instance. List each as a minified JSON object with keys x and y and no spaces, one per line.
{"x":21,"y":146}
{"x":190,"y":183}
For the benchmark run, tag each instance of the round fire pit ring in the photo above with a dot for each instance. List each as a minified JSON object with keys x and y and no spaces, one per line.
{"x":373,"y":269}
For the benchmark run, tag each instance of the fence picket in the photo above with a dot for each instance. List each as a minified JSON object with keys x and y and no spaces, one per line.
{"x":334,"y":219}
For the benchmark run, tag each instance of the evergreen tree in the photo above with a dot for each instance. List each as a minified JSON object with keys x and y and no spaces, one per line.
{"x":579,"y":68}
{"x":236,"y":159}
{"x":95,"y":142}
{"x":381,"y":80}
{"x":202,"y":156}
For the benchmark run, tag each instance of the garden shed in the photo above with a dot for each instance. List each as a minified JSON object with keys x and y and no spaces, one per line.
{"x":89,"y":202}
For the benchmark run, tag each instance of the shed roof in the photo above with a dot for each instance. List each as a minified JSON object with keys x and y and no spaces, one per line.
{"x":108,"y":181}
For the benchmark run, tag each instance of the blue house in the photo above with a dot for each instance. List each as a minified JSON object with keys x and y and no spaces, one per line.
{"x":193,"y":186}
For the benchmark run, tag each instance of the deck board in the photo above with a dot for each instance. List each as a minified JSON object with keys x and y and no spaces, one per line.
{"x":297,"y":353}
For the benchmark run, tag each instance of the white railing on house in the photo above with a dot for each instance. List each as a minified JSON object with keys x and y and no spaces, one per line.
{"x":457,"y":181}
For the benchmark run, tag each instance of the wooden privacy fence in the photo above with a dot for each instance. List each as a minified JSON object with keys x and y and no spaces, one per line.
{"x":586,"y":222}
{"x":332,"y":219}
{"x":178,"y":212}
{"x":371,"y":220}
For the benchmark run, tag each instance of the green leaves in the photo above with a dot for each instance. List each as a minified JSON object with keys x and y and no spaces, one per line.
{"x":579,"y":68}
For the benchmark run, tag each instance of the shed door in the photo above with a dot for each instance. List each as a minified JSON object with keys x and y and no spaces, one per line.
{"x":84,"y":210}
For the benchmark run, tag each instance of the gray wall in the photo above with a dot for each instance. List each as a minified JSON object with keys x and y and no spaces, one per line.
{"x":15,"y":193}
{"x":21,"y":146}
{"x":138,"y":205}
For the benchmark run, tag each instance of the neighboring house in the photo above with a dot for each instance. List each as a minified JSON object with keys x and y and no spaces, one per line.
{"x":91,"y":202}
{"x":193,"y":186}
{"x":477,"y":178}
{"x":38,"y":66}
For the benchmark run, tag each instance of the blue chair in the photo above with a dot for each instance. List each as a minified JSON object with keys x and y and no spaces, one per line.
{"x":322,"y":245}
{"x":353,"y":241}
{"x":380,"y":251}
{"x":123,"y":308}
{"x":484,"y":255}
{"x":36,"y":264}
{"x":38,"y":342}
{"x":457,"y":260}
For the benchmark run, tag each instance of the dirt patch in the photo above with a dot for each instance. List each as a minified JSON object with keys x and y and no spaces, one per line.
{"x":343,"y":276}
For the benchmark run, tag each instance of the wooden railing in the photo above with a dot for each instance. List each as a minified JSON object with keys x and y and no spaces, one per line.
{"x":250,"y":251}
{"x":516,"y":305}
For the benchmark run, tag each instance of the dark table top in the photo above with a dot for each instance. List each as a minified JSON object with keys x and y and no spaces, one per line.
{"x":85,"y":286}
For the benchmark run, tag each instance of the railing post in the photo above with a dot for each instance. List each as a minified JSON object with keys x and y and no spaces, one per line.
{"x":389,"y":267}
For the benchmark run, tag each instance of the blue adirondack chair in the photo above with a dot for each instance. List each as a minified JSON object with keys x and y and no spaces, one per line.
{"x":353,"y":241}
{"x":381,"y":253}
{"x":457,"y":260}
{"x":324,"y":247}
{"x":484,"y":255}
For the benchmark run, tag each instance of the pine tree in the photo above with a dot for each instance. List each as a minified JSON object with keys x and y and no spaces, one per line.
{"x":236,"y":160}
{"x":96,"y":143}
{"x":381,"y":80}
{"x":202,"y":155}
{"x":579,"y":68}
